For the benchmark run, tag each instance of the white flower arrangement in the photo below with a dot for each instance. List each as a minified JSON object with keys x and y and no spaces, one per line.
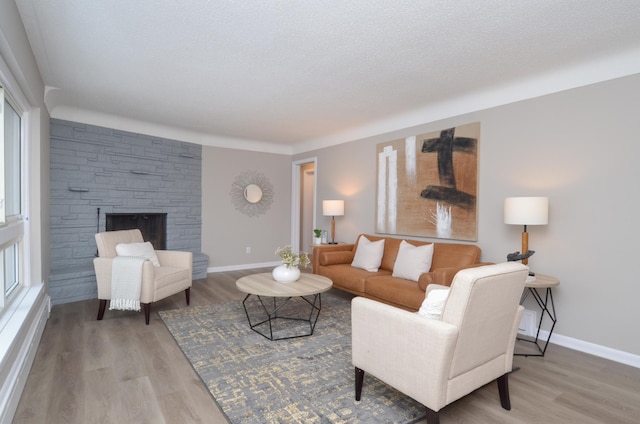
{"x":290,"y":259}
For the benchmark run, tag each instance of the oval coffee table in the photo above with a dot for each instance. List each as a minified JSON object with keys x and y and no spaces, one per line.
{"x":297,"y":301}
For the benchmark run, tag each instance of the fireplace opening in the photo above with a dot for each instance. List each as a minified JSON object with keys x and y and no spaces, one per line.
{"x":153,"y":226}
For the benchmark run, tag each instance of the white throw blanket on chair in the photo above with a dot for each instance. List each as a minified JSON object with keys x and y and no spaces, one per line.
{"x":126,"y":281}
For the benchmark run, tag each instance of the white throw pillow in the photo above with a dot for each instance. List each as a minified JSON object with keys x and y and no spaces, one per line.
{"x":412,"y":261}
{"x":144,"y":250}
{"x":433,"y":304}
{"x":368,"y":254}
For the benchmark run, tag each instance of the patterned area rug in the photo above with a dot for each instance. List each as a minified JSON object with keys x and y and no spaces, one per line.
{"x":300,"y":380}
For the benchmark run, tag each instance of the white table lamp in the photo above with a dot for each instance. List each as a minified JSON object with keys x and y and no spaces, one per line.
{"x":526,"y":211}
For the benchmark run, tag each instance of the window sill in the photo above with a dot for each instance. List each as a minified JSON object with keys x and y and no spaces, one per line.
{"x":14,"y":316}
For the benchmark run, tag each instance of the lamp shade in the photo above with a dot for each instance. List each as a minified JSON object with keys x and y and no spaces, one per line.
{"x":333,"y":207}
{"x":526,"y":210}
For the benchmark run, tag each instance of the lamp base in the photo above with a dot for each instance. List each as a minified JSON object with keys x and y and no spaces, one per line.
{"x":333,"y":230}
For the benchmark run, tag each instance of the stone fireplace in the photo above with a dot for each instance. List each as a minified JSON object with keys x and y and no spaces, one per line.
{"x":107,"y":179}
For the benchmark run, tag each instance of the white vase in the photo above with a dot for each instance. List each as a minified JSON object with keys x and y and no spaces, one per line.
{"x":286,"y":274}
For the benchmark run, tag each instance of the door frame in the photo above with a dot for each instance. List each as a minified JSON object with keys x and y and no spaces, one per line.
{"x":296,"y":177}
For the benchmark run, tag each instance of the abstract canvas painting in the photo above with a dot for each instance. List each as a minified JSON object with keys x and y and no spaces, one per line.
{"x":428,"y":184}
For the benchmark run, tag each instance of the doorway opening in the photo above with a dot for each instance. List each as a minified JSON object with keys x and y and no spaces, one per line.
{"x":303,"y":204}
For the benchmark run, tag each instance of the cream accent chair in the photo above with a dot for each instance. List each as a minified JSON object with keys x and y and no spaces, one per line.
{"x":437,"y":362}
{"x":172,"y":276}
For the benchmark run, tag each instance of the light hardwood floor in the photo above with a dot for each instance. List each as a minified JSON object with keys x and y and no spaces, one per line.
{"x":119,"y":370}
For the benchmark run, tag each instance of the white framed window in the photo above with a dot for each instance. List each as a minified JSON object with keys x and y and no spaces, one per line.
{"x":11,"y":183}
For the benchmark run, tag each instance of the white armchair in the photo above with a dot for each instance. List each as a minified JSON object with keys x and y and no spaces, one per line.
{"x":437,"y":362}
{"x":172,"y":276}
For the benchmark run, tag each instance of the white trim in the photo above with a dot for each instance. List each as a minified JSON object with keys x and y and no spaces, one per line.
{"x":592,"y":349}
{"x":12,"y":88}
{"x":242,"y":266}
{"x":296,"y":168}
{"x":19,"y":340}
{"x":617,"y":65}
{"x":295,"y":206}
{"x":23,"y":319}
{"x":27,"y":191}
{"x":19,"y":231}
{"x":11,"y":233}
{"x":124,"y":123}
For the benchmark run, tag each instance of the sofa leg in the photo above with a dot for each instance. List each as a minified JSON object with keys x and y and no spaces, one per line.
{"x":147,"y":312}
{"x":101,"y":308}
{"x":432,"y":416}
{"x":187,"y":294}
{"x":503,"y":389}
{"x":359,"y":381}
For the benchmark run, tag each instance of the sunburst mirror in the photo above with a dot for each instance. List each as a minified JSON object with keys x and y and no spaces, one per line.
{"x":251,"y":193}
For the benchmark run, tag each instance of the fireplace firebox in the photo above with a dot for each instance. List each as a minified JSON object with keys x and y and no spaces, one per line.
{"x":153,"y":226}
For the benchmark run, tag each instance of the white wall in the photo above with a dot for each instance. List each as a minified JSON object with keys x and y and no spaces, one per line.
{"x":579,"y":148}
{"x":226,"y":232}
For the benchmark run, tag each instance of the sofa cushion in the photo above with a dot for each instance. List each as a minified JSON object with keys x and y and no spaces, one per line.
{"x":348,"y":278}
{"x":368,"y":254}
{"x":396,"y":291}
{"x":391,"y":247}
{"x":433,"y":304}
{"x":412,"y":261}
{"x":144,"y":250}
{"x":446,"y":255}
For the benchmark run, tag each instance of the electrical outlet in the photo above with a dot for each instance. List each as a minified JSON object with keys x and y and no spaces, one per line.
{"x":248,"y":249}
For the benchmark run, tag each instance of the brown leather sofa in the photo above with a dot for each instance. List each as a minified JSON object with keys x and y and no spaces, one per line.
{"x":334,"y":262}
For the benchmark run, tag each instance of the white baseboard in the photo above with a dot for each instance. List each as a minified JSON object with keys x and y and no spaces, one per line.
{"x":27,"y":330}
{"x":593,"y":349}
{"x":243,"y":266}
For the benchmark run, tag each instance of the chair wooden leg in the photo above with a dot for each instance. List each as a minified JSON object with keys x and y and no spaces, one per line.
{"x":359,"y":381}
{"x":187,"y":293}
{"x":147,"y":312}
{"x":101,"y":308}
{"x":432,"y":416}
{"x":503,"y":389}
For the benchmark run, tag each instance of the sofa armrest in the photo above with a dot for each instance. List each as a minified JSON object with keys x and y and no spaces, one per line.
{"x":339,"y":249}
{"x":424,"y":280}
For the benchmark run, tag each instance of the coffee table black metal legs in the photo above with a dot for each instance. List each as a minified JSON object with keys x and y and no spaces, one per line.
{"x":267,"y":311}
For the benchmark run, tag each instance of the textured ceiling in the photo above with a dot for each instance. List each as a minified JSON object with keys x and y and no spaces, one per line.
{"x":295,"y":72}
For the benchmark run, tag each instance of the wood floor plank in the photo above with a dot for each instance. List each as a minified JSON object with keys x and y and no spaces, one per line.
{"x":102,"y":396}
{"x":120,"y":370}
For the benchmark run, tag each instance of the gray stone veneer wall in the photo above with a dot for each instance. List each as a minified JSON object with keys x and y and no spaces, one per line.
{"x":119,"y":172}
